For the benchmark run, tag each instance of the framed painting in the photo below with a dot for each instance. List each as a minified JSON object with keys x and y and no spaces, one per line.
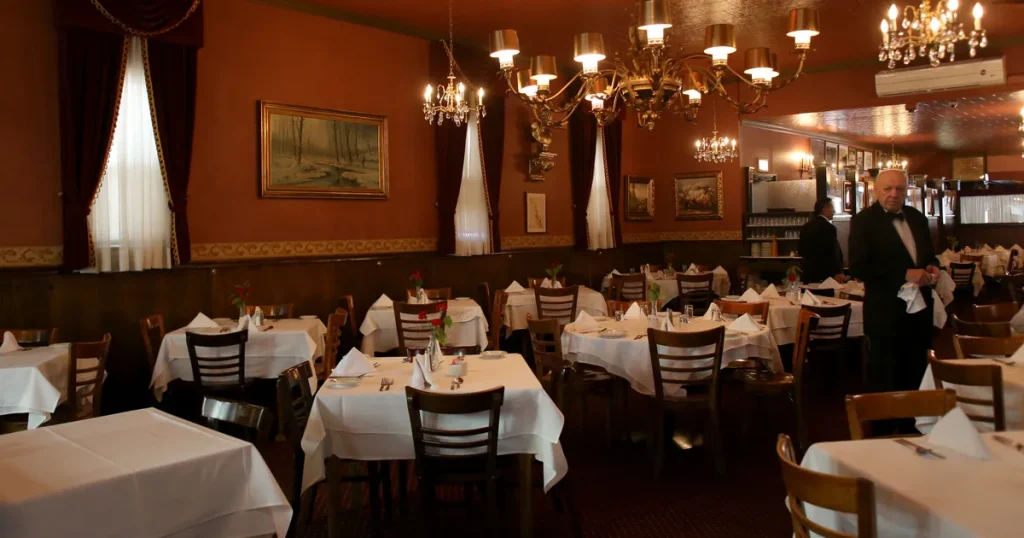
{"x":536,"y":213}
{"x":860,"y":159}
{"x":698,"y":196}
{"x":844,"y":157}
{"x":831,"y":155}
{"x":869,"y":160}
{"x":639,"y":198}
{"x":818,"y":150}
{"x":317,"y":153}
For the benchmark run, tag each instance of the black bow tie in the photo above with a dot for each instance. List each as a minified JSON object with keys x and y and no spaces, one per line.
{"x":896,"y":216}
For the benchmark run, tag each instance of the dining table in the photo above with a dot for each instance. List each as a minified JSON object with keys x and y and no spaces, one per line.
{"x":271,"y":349}
{"x":367,"y":423}
{"x":522,"y":305}
{"x":134,"y":474}
{"x":1013,"y":394}
{"x":33,"y":381}
{"x":670,"y":286}
{"x":783,"y":316}
{"x":469,"y":326}
{"x":920,"y":495}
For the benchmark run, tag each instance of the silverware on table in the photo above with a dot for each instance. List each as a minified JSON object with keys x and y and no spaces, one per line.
{"x":388,"y":382}
{"x":921,"y":450}
{"x":267,"y":328}
{"x":1019,"y":447}
{"x":360,"y":376}
{"x":383,"y":381}
{"x":376,"y":365}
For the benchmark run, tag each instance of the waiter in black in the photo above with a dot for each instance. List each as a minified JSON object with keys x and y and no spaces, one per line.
{"x":819,"y":245}
{"x":890,"y":245}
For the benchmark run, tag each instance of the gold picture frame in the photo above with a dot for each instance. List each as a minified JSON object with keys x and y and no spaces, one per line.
{"x":698,"y":196}
{"x":339,"y":155}
{"x":639,"y":198}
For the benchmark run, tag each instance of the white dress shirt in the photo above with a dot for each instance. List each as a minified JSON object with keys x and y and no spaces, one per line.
{"x":907,"y":236}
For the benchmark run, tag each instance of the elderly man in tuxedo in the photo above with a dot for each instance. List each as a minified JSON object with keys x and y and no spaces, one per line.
{"x":891,"y":245}
{"x":819,"y":245}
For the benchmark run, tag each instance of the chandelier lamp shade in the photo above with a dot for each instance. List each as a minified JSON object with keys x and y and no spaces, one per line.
{"x":928,"y":30}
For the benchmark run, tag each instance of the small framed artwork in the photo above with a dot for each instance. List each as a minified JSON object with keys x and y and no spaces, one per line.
{"x":860,"y":159}
{"x":698,"y":196}
{"x":639,"y":198}
{"x":869,"y":160}
{"x":818,"y":150}
{"x":831,"y":155}
{"x":848,"y":197}
{"x":536,"y":213}
{"x":844,"y":157}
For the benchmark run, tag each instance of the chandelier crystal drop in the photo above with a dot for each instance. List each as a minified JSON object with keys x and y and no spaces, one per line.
{"x":451,"y":103}
{"x":715,"y":149}
{"x":928,"y":31}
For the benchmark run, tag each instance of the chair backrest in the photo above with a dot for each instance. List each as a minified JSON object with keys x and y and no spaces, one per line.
{"x":851,"y":296}
{"x":962,"y":273}
{"x":332,"y":344}
{"x":862,"y":409}
{"x":254,"y":420}
{"x":830,"y":333}
{"x":807,"y":322}
{"x":434,"y":445}
{"x":974,"y":328}
{"x":557,"y":303}
{"x":283,"y":310}
{"x":1016,"y":285}
{"x":677,"y":358}
{"x":736,"y":308}
{"x":152,"y":328}
{"x":87,"y":362}
{"x":980,"y":347}
{"x":973,"y":375}
{"x":483,"y":291}
{"x":647,"y":306}
{"x":497,"y":318}
{"x":696,"y":290}
{"x":546,"y":344}
{"x":32,"y":337}
{"x":295,"y":402}
{"x":434,"y":294}
{"x":628,"y":287}
{"x":412,"y":322}
{"x":460,"y":350}
{"x":222,"y":370}
{"x":994,"y":313}
{"x":535,"y":282}
{"x":839,"y":493}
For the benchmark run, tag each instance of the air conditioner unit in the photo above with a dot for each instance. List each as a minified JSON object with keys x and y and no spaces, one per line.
{"x":946,"y":77}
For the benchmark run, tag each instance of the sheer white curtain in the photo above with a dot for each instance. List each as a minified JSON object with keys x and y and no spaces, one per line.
{"x":130,"y":220}
{"x":599,"y":216}
{"x":996,"y":208}
{"x":472,"y":221}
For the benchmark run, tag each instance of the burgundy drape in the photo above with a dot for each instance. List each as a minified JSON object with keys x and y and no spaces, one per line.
{"x":90,"y":74}
{"x":139,"y":15}
{"x":172,"y":72}
{"x":613,"y":159}
{"x":582,"y":149}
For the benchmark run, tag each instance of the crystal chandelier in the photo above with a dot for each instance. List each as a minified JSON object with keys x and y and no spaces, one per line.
{"x":895,"y":161}
{"x":715,"y":149}
{"x":928,"y":31}
{"x":451,"y":103}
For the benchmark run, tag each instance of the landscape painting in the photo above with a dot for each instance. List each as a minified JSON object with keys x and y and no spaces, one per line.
{"x":699,"y":196}
{"x":317,"y":153}
{"x":639,"y":198}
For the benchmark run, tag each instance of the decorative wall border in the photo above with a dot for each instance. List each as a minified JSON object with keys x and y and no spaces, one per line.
{"x":221,"y":252}
{"x":523,"y":242}
{"x":679,"y":235}
{"x":20,"y":257}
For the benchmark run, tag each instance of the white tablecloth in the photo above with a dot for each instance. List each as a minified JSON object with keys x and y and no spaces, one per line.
{"x":267,"y":353}
{"x":469,"y":328}
{"x":977,"y":282}
{"x":362,"y":423}
{"x":783,"y":317}
{"x":137,"y":474}
{"x":670,"y":286}
{"x":1013,"y":396}
{"x":630,"y":358}
{"x":33,"y":381}
{"x":927,"y":497}
{"x":525,"y":302}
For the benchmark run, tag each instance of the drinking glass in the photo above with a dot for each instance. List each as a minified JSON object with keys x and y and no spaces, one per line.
{"x":688,"y":313}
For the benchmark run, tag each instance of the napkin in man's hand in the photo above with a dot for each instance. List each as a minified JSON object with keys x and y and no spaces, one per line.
{"x":956,"y":432}
{"x":585,"y":323}
{"x":710,"y":314}
{"x":382,"y":302}
{"x":352,"y":364}
{"x":751,"y":296}
{"x":1017,"y":325}
{"x":720,"y":271}
{"x":830,"y":283}
{"x":744,"y":324}
{"x":10,"y":343}
{"x":202,"y":321}
{"x":634,"y":312}
{"x":692,"y":269}
{"x":912,"y":295}
{"x":771,"y":292}
{"x":810,"y":299}
{"x":421,"y":375}
{"x":515,"y":287}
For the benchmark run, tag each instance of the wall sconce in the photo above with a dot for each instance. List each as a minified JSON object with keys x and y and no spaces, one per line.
{"x":762,"y":165}
{"x":806,"y":165}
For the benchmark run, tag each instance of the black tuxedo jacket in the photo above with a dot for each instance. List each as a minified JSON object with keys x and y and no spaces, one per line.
{"x":819,"y":248}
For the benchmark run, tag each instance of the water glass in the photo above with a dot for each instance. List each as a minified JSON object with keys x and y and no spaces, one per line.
{"x":688,"y":311}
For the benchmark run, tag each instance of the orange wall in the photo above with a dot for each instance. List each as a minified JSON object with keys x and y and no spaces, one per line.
{"x":779,"y":148}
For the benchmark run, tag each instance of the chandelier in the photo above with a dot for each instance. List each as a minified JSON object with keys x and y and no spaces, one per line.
{"x":653,"y":77}
{"x":895,"y":161}
{"x":927,"y":30}
{"x":451,"y":103}
{"x":715,"y":149}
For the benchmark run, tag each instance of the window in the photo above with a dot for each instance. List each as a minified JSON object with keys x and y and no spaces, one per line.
{"x":130,"y":220}
{"x":599,"y":218}
{"x":992,"y":209}
{"x":472,"y":218}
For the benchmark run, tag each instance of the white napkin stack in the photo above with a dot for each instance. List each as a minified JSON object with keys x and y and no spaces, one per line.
{"x":912,"y":295}
{"x":830,"y":283}
{"x":634,"y":312}
{"x":751,"y":296}
{"x":955,"y":432}
{"x":720,"y":270}
{"x":692,"y":269}
{"x":744,"y":324}
{"x":771,"y":292}
{"x":383,"y":302}
{"x":585,"y":323}
{"x":616,"y":272}
{"x":421,"y":375}
{"x":352,"y":364}
{"x":710,"y":314}
{"x":202,"y":321}
{"x":810,"y":299}
{"x":515,"y":287}
{"x":10,"y":343}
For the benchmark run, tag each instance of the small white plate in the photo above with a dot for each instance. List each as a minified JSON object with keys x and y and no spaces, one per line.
{"x":308,"y":316}
{"x":343,"y":383}
{"x":613,"y":333}
{"x":492,"y":354}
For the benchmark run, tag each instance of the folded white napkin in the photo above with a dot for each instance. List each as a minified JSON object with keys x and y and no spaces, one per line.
{"x":912,"y":295}
{"x":616,"y":272}
{"x":1000,"y":248}
{"x":515,"y":287}
{"x":943,"y":260}
{"x":692,"y":269}
{"x":751,"y":296}
{"x":771,"y":292}
{"x":830,"y":283}
{"x":10,"y":343}
{"x":985,"y":246}
{"x":585,"y":322}
{"x":666,"y":323}
{"x":546,"y":283}
{"x":720,"y":270}
{"x":634,"y":312}
{"x":421,"y":375}
{"x":744,"y":324}
{"x":710,"y":314}
{"x":245,"y":323}
{"x":353,"y":363}
{"x":202,"y":321}
{"x":967,"y":249}
{"x":955,"y":431}
{"x":810,"y":299}
{"x":948,"y":253}
{"x":383,"y":302}
{"x":1015,"y":247}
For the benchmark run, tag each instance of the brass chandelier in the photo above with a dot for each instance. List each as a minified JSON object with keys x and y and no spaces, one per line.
{"x":927,"y":30}
{"x":654,"y":77}
{"x":451,"y":103}
{"x":715,"y":149}
{"x":895,"y":161}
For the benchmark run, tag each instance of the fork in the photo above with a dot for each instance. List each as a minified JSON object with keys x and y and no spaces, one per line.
{"x":921,"y":451}
{"x":1019,"y":447}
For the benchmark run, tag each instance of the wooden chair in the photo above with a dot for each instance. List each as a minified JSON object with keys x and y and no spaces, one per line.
{"x":758,"y":311}
{"x":254,"y":420}
{"x":434,"y":294}
{"x":218,"y":374}
{"x":1016,"y":284}
{"x":696,"y":290}
{"x":840,"y":493}
{"x":535,"y":282}
{"x":497,"y":320}
{"x":972,"y":258}
{"x":994,"y":313}
{"x":979,"y":347}
{"x":483,"y":292}
{"x":351,"y":333}
{"x":628,"y":287}
{"x":980,"y":375}
{"x":973,"y":328}
{"x":672,"y":362}
{"x":448,"y":456}
{"x":828,"y":337}
{"x":325,"y":364}
{"x":647,"y":306}
{"x":32,"y":337}
{"x":284,"y":310}
{"x":87,"y":362}
{"x":557,"y":303}
{"x":414,"y":331}
{"x":460,"y":350}
{"x":862,"y":409}
{"x":963,"y":276}
{"x":147,"y":326}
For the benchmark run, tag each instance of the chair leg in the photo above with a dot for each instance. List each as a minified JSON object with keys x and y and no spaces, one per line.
{"x":714,"y":434}
{"x":562,"y":497}
{"x":403,"y":486}
{"x":373,"y":470}
{"x":385,"y":489}
{"x":658,"y":441}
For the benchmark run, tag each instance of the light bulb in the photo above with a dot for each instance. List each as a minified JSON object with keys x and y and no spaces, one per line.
{"x":761,"y":75}
{"x":596,"y":103}
{"x":893,"y":12}
{"x":695,"y":96}
{"x":953,"y":5}
{"x":934,"y":25}
{"x":505,"y":59}
{"x":655,"y":34}
{"x":427,"y":93}
{"x":977,"y":12}
{"x":589,"y":65}
{"x":480,"y":97}
{"x":698,"y":144}
{"x":462,"y":89}
{"x":719,"y":55}
{"x":885,"y":31}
